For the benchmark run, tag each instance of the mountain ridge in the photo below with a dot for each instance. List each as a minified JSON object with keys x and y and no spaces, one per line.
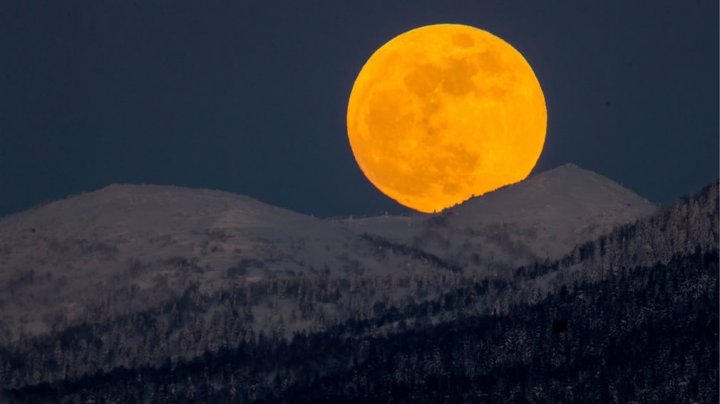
{"x":594,"y":286}
{"x":145,"y":244}
{"x":540,"y":218}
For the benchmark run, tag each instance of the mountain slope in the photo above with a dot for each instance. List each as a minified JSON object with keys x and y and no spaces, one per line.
{"x":129,"y":248}
{"x":540,"y":218}
{"x":142,"y":244}
{"x":262,"y":314}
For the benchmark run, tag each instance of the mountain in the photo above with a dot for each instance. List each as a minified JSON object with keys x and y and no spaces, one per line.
{"x":541,"y":218}
{"x":127,"y":248}
{"x":630,"y":316}
{"x":149,"y":279}
{"x":149,"y":241}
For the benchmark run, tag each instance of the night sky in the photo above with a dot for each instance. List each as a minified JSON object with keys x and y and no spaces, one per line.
{"x":250,"y":96}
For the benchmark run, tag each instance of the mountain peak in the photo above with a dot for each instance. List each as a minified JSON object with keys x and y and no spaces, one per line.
{"x":567,"y":202}
{"x":569,"y":171}
{"x":137,"y":208}
{"x":565,"y":169}
{"x":542,"y":216}
{"x":567,"y":186}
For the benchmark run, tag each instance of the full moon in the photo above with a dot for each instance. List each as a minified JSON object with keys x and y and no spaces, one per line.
{"x":445,"y":112}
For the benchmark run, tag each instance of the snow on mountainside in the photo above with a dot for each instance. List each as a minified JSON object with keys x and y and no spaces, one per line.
{"x":235,"y":334}
{"x":147,"y":243}
{"x":540,"y":218}
{"x":146,"y":221}
{"x":132,"y":247}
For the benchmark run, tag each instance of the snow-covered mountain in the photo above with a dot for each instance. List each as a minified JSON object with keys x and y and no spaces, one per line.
{"x":145,"y":244}
{"x":397,"y":315}
{"x":126,"y":248}
{"x":540,"y":218}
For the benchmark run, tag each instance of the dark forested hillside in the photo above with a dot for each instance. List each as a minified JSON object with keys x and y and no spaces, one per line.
{"x":689,"y":223}
{"x":648,"y":334}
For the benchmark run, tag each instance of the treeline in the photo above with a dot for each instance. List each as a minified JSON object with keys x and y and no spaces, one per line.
{"x":649,"y":334}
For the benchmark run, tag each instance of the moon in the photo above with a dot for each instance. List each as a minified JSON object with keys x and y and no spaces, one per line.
{"x":445,"y":112}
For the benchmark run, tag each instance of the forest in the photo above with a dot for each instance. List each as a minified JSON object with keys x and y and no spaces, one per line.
{"x":647,"y":334}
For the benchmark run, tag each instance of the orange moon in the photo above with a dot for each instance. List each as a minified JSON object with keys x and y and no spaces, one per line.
{"x":445,"y":112}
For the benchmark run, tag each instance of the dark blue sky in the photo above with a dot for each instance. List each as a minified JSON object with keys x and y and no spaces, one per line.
{"x":250,"y":96}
